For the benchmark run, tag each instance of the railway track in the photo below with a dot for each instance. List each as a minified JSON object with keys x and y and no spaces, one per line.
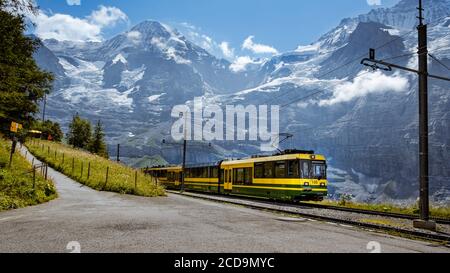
{"x":283,"y":208}
{"x":438,"y":220}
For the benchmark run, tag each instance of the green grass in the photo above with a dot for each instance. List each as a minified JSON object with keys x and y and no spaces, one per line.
{"x":16,"y":183}
{"x":121,"y":179}
{"x":442,"y":212}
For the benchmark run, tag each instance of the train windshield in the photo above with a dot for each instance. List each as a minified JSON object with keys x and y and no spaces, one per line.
{"x":319,"y":170}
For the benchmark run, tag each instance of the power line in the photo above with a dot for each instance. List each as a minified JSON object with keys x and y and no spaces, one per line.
{"x":358,"y":59}
{"x":344,"y":65}
{"x":440,"y":62}
{"x":320,"y":91}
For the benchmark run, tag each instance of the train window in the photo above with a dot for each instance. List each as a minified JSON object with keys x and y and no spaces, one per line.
{"x":268,"y":169}
{"x":319,"y":170}
{"x":243,"y":176}
{"x":214,"y":172}
{"x":248,"y":176}
{"x":280,"y":169}
{"x":205,"y":173}
{"x":305,"y":167}
{"x":259,"y":170}
{"x":229,"y":176}
{"x":293,"y":169}
{"x":239,"y":176}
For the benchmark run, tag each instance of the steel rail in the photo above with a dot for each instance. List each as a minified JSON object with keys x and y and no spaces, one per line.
{"x":437,"y":237}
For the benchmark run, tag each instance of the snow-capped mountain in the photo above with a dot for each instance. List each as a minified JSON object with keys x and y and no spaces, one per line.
{"x":365,"y":122}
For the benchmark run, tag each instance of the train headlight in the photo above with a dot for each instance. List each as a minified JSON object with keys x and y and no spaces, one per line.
{"x":322,"y":184}
{"x":306,"y":184}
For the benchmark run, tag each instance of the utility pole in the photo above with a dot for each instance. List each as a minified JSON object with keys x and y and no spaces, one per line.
{"x":422,"y":72}
{"x":423,"y":125}
{"x":118,"y":152}
{"x":184,"y":152}
{"x":43,"y":110}
{"x":185,"y":143}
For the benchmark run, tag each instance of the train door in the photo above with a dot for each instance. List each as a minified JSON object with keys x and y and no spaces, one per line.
{"x":228,"y":185}
{"x":221,"y":178}
{"x":177,"y":177}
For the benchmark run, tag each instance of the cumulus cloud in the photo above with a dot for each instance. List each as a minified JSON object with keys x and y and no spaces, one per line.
{"x":73,"y":2}
{"x":258,"y":48}
{"x":134,"y":36}
{"x":242,"y":63}
{"x":195,"y":35}
{"x":169,"y":51}
{"x":371,"y":83}
{"x":64,"y":27}
{"x":107,"y":16}
{"x":374,"y":2}
{"x":227,"y":51}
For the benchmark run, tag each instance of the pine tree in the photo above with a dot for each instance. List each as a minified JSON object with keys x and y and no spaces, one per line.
{"x":22,"y":83}
{"x":49,"y":128}
{"x":98,"y":145}
{"x":79,"y":134}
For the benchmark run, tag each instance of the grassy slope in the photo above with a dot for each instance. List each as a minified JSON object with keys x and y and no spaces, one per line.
{"x":16,"y":183}
{"x":121,"y":179}
{"x":443,"y":212}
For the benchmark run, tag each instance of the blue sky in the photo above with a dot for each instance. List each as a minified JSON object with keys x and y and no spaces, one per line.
{"x":281,"y":25}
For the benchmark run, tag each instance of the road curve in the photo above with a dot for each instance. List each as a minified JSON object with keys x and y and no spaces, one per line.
{"x":109,"y":222}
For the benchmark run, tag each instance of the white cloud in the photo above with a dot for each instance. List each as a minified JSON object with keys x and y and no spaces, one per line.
{"x":169,"y":51}
{"x":107,"y":16}
{"x":227,"y":51}
{"x":371,"y":83}
{"x":242,"y":63}
{"x":64,"y":27}
{"x":374,"y":2}
{"x":73,"y":2}
{"x":134,"y":36}
{"x":258,"y":48}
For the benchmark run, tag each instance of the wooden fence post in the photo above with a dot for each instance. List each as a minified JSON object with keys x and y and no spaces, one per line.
{"x":82,"y":166}
{"x":106,"y":180}
{"x":135,"y":181}
{"x":63,"y":159}
{"x":34,"y":177}
{"x":46,"y":171}
{"x":73,"y":165}
{"x":89,"y":171}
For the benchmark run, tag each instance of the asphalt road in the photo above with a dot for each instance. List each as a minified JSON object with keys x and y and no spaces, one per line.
{"x":109,"y":222}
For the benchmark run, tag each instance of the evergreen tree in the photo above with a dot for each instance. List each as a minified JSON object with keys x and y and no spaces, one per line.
{"x":22,"y":83}
{"x":79,"y":134}
{"x":49,"y":128}
{"x":98,"y":145}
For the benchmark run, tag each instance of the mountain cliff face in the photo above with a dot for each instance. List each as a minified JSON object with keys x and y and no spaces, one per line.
{"x":365,"y":122}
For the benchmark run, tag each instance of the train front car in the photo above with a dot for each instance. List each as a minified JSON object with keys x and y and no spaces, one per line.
{"x":290,"y":176}
{"x":169,"y":177}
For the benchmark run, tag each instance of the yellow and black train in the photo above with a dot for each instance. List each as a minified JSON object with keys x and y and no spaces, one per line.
{"x":288,"y":176}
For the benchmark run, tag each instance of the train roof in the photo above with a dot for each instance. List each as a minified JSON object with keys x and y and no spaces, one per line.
{"x":286,"y":155}
{"x":281,"y":157}
{"x":165,"y":168}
